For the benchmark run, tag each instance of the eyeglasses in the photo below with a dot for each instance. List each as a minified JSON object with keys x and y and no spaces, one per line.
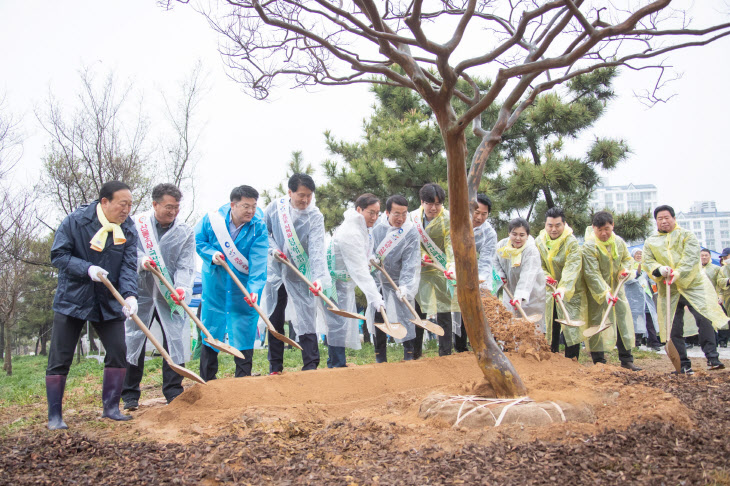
{"x":247,"y":207}
{"x":371,"y":212}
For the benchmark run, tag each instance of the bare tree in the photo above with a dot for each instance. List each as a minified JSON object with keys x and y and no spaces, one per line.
{"x":94,"y":143}
{"x":11,"y":146}
{"x":179,"y":150}
{"x":529,"y":46}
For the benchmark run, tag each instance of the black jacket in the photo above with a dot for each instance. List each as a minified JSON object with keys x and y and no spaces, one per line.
{"x":77,"y":295}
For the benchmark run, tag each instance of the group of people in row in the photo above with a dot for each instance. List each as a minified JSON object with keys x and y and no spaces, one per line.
{"x":282,"y":257}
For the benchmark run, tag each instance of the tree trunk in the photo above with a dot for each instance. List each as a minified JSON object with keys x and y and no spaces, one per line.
{"x":497,"y":369}
{"x":44,"y":338}
{"x":7,"y":362}
{"x":2,"y":338}
{"x":92,"y":342}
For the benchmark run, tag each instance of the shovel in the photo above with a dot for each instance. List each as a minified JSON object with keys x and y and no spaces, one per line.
{"x":567,"y":321}
{"x":176,"y":368}
{"x":534,"y":318}
{"x":670,"y":348}
{"x":428,"y":325}
{"x":439,"y":268}
{"x":269,"y":325}
{"x":332,"y":307}
{"x":592,"y":331}
{"x":214,"y":343}
{"x":396,"y":329}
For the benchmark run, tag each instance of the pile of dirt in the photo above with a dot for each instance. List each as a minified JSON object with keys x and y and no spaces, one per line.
{"x":514,"y":334}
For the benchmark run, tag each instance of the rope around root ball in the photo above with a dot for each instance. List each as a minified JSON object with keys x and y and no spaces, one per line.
{"x":490,"y":402}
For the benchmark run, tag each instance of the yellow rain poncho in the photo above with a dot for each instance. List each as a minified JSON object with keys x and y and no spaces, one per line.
{"x":434,"y":295}
{"x":712,"y":270}
{"x":602,"y":265}
{"x":722,"y":285}
{"x":680,"y":250}
{"x":562,"y":260}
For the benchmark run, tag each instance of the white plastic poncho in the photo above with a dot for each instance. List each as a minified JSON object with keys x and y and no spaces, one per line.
{"x":177,"y":247}
{"x":524,"y":279}
{"x":403,"y":264}
{"x":308,"y":224}
{"x":348,"y":260}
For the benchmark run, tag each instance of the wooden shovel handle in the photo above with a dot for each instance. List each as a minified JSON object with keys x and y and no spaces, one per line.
{"x":561,"y":303}
{"x":393,"y":284}
{"x":156,"y":272}
{"x":615,"y":294}
{"x":306,"y":280}
{"x":512,"y":297}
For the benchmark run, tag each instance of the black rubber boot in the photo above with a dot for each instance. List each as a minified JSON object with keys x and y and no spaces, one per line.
{"x":112,"y":392}
{"x":55,"y":384}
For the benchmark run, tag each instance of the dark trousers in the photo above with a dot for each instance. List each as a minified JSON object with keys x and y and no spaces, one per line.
{"x":308,"y":342}
{"x":461,"y":342}
{"x":570,"y":351}
{"x":624,"y":355}
{"x":65,"y":336}
{"x":171,"y":381}
{"x":443,"y":319}
{"x":381,"y":344}
{"x":336,"y":357}
{"x":209,"y":363}
{"x":706,"y":333}
{"x":652,"y":339}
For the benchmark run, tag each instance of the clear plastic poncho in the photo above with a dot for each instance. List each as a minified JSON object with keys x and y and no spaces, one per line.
{"x":524,"y":279}
{"x":638,"y":293}
{"x":563,"y":261}
{"x":177,"y":247}
{"x":348,"y":259}
{"x":434,"y":294}
{"x":601,"y":268}
{"x":403,"y":264}
{"x":680,"y":250}
{"x":302,"y":305}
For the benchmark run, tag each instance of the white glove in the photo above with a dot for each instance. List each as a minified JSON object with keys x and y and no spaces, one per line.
{"x":148,"y":262}
{"x":378,"y":304}
{"x":93,"y":272}
{"x":402,"y":292}
{"x":218,"y":257}
{"x":665,"y":271}
{"x":131,"y":307}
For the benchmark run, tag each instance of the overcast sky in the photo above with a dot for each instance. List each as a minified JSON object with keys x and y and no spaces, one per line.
{"x":679,"y":146}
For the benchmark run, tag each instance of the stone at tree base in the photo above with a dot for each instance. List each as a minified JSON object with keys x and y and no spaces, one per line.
{"x":533,"y":414}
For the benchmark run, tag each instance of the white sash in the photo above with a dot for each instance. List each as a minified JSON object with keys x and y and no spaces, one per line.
{"x":296,"y":251}
{"x":392,"y":238}
{"x":146,"y":232}
{"x":218,"y":223}
{"x":436,"y":254}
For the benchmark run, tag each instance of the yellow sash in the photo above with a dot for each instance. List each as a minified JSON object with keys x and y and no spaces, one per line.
{"x":99,"y":239}
{"x":602,"y":246}
{"x":514,"y":254}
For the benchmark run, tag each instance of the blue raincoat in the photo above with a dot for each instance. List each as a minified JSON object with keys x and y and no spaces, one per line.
{"x":224,"y":310}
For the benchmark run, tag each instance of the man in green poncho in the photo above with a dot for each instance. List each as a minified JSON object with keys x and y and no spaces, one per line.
{"x":606,"y":259}
{"x":562,"y":264}
{"x":673,"y":254}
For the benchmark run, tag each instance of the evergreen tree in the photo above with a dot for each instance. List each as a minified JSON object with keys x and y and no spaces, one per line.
{"x":296,"y":166}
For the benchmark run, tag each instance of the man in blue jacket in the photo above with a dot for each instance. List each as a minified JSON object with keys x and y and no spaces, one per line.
{"x":236,"y":234}
{"x":95,"y":239}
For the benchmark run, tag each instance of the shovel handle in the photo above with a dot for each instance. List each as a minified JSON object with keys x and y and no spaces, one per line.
{"x":136,"y":319}
{"x":393,"y":284}
{"x":247,"y":294}
{"x":519,"y":307}
{"x":306,"y":280}
{"x":615,"y":294}
{"x":561,"y":304}
{"x":156,"y":272}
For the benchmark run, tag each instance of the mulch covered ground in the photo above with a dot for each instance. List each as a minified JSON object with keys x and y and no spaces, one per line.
{"x":357,"y":451}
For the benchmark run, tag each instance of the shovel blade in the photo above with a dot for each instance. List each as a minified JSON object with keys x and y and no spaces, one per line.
{"x":186,"y":373}
{"x":592,"y":331}
{"x":673,"y":355}
{"x":226,"y":348}
{"x":429,"y":326}
{"x":534,"y":318}
{"x":396,"y":329}
{"x":343,"y":313}
{"x":285,"y":339}
{"x":571,"y":323}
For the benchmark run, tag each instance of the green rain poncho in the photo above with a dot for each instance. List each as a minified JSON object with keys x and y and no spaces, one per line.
{"x":602,"y":264}
{"x":680,"y":250}
{"x":434,"y":295}
{"x":562,"y":260}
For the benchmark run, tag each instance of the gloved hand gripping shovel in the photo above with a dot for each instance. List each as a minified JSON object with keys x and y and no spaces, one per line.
{"x":428,"y":325}
{"x":214,"y":343}
{"x":567,"y":321}
{"x":670,"y":348}
{"x":332,"y":307}
{"x":176,"y":368}
{"x":269,"y":325}
{"x":533,"y":318}
{"x":592,"y":331}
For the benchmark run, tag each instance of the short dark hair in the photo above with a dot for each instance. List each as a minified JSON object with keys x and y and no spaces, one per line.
{"x":240,"y":192}
{"x":395,"y":199}
{"x":166,"y":189}
{"x":602,"y":218}
{"x":109,"y":188}
{"x":365,"y":200}
{"x":519,"y":223}
{"x":432,"y":191}
{"x":297,"y":180}
{"x":483,"y":199}
{"x":555,"y":212}
{"x":663,"y":207}
{"x":708,"y":251}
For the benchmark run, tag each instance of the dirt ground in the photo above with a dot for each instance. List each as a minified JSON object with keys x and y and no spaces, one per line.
{"x":361,"y":425}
